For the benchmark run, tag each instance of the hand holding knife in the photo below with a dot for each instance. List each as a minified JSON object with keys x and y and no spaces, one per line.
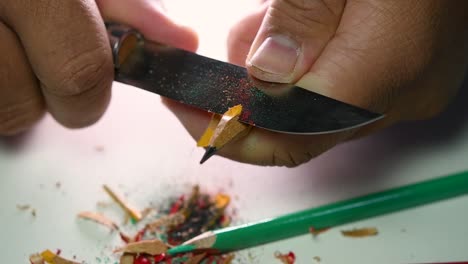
{"x":215,"y":86}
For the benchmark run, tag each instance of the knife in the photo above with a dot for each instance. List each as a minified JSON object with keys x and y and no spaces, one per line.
{"x":215,"y":86}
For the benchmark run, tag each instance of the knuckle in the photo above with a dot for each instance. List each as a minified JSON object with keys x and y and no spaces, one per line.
{"x":304,"y":14}
{"x":18,"y":117}
{"x":84,"y":72}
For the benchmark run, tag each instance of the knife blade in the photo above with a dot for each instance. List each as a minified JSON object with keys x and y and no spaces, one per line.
{"x":214,"y":86}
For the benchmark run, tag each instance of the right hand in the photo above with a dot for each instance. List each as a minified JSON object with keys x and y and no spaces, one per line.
{"x":56,"y":57}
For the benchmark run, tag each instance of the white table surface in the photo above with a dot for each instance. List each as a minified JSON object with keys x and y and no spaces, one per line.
{"x":137,"y":158}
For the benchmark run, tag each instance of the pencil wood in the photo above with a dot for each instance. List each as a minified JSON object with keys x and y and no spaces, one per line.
{"x":221,"y":131}
{"x":269,"y":230}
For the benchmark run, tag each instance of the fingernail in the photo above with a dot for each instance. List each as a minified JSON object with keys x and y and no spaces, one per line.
{"x":275,"y":60}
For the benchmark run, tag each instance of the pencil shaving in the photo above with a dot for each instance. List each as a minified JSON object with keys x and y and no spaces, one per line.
{"x":229,"y":258}
{"x":168,"y":220}
{"x":196,"y":259}
{"x":360,"y":232}
{"x":316,"y":232}
{"x":23,"y":207}
{"x":134,"y":213}
{"x":288,"y":258}
{"x":36,"y":259}
{"x":151,"y":247}
{"x":127,"y":259}
{"x":222,"y":200}
{"x":53,"y":258}
{"x":98,"y":218}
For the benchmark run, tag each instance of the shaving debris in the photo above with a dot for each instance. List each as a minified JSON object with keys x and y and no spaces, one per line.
{"x":119,"y":199}
{"x":316,"y":232}
{"x":201,"y":214}
{"x":26,"y":207}
{"x":182,"y":219}
{"x":360,"y":232}
{"x":36,"y":259}
{"x":317,"y":258}
{"x":150,"y":247}
{"x":99,"y":218}
{"x":288,"y":258}
{"x":49,"y":257}
{"x":196,"y":259}
{"x":23,"y":207}
{"x":127,"y":259}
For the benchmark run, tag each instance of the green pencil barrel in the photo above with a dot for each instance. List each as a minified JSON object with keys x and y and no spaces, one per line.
{"x":339,"y":213}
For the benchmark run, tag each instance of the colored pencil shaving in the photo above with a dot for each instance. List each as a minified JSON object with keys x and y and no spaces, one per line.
{"x":127,"y":259}
{"x":150,"y":247}
{"x":48,"y":256}
{"x":23,"y":207}
{"x":134,"y":213}
{"x":201,"y":213}
{"x":182,"y":219}
{"x":316,"y":232}
{"x":361,"y":232}
{"x":222,"y":130}
{"x":36,"y":259}
{"x":288,"y":258}
{"x":99,"y":218}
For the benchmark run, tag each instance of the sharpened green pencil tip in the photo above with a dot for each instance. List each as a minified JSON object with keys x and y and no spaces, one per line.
{"x":181,"y":249}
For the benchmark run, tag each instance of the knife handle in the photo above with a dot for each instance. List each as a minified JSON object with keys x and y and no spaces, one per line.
{"x":123,"y":40}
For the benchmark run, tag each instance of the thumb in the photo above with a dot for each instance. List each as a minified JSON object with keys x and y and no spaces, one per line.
{"x":291,"y":37}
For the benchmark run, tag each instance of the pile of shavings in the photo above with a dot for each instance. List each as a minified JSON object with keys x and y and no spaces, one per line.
{"x":184,"y":218}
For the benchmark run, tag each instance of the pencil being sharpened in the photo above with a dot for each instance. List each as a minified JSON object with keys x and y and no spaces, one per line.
{"x":221,"y":130}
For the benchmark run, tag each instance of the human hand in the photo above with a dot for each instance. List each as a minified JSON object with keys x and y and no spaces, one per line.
{"x":56,"y":56}
{"x":405,"y":59}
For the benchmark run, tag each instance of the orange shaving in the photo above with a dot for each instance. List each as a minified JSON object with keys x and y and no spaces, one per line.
{"x":222,"y":200}
{"x":134,"y":213}
{"x":53,"y":258}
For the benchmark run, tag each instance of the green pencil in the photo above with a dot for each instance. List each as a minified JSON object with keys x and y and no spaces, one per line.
{"x":273,"y":229}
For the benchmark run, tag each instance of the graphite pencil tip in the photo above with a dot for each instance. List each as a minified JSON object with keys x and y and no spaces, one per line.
{"x":210,"y":151}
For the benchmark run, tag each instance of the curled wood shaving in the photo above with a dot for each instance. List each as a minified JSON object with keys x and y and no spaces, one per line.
{"x":99,"y":218}
{"x":195,"y":259}
{"x":36,"y":259}
{"x":360,"y":232}
{"x":127,"y":259}
{"x":222,"y":200}
{"x":134,"y":213}
{"x":52,"y":258}
{"x":151,"y":247}
{"x":168,"y":220}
